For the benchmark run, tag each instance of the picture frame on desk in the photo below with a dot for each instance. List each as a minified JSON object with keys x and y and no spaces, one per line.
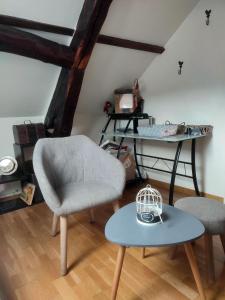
{"x":125,"y":103}
{"x":27,"y":194}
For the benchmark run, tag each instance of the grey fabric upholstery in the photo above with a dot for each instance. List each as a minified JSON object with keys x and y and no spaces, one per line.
{"x":74,"y":174}
{"x":211,"y":213}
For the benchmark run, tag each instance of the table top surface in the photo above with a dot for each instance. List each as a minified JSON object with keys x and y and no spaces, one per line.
{"x":171,"y":139}
{"x":178,"y":227}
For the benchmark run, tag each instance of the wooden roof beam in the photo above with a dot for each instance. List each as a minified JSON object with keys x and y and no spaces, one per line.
{"x":34,"y":25}
{"x":118,"y":42}
{"x":30,"y":45}
{"x":61,"y":111}
{"x":102,"y":39}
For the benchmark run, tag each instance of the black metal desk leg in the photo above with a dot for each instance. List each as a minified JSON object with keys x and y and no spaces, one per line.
{"x":104,"y":130}
{"x":114,"y":130}
{"x":194,"y":167}
{"x":136,"y":161}
{"x":173,"y":177}
{"x":120,"y":146}
{"x":122,"y":139}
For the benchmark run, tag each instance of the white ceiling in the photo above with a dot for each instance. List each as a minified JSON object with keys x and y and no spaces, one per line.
{"x":26,"y":85}
{"x":150,"y":21}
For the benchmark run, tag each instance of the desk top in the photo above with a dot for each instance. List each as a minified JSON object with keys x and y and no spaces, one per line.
{"x":170,"y":139}
{"x":178,"y":227}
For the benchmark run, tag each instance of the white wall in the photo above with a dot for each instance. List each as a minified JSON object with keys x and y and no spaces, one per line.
{"x":150,"y":21}
{"x":198,"y":95}
{"x":26,"y":84}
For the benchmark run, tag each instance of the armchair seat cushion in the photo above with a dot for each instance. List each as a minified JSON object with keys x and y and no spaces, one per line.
{"x":77,"y":196}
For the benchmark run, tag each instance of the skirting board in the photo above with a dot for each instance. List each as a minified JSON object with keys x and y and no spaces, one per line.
{"x":183,"y":190}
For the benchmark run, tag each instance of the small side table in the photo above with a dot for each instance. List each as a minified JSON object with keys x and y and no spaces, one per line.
{"x":178,"y":228}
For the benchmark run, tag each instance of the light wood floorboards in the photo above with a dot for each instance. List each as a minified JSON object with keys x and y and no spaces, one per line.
{"x":30,"y":261}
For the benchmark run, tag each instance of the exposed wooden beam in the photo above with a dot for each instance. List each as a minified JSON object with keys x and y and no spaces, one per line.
{"x":102,"y":39}
{"x":90,"y":22}
{"x":34,"y":25}
{"x":27,"y":44}
{"x":114,"y":41}
{"x":76,"y":57}
{"x":58,"y":99}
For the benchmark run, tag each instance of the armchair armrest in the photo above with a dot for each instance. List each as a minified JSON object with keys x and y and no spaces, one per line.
{"x":42,"y":172}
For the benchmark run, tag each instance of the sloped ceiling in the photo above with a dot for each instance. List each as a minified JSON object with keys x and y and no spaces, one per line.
{"x":26,"y":85}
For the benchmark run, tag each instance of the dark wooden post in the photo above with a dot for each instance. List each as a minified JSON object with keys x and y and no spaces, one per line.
{"x":30,"y":45}
{"x":34,"y":25}
{"x":73,"y":59}
{"x":61,"y":111}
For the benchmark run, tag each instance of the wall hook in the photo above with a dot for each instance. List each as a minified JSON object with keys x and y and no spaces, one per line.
{"x":180,"y":63}
{"x":208,"y":14}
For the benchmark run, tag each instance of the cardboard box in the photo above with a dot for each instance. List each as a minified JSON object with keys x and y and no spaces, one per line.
{"x":128,"y":161}
{"x":126,"y":157}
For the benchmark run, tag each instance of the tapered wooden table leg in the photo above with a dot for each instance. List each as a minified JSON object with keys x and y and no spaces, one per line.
{"x":143,"y":252}
{"x":194,"y":267}
{"x":209,"y":258}
{"x":92,"y":215}
{"x":222,"y":238}
{"x":119,"y":264}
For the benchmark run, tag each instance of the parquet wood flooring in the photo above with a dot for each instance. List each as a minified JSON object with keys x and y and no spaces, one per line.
{"x":29,"y":261}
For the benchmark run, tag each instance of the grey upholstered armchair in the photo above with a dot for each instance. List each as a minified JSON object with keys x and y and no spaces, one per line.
{"x":75,"y":174}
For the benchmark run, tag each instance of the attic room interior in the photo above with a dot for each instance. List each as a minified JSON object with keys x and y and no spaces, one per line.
{"x":112,"y":166}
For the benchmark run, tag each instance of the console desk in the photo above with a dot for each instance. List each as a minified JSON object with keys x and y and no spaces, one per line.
{"x":178,"y":140}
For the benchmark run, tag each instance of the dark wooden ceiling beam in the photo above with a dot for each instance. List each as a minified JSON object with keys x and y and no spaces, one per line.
{"x":102,"y":39}
{"x":29,"y":45}
{"x":34,"y":25}
{"x":61,"y":111}
{"x":73,"y":59}
{"x":118,"y":42}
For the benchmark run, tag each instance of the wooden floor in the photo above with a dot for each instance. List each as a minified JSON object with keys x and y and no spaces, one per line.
{"x":29,"y":262}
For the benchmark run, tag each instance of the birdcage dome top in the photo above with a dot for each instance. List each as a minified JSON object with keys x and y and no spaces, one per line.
{"x":149,"y":205}
{"x":148,"y":195}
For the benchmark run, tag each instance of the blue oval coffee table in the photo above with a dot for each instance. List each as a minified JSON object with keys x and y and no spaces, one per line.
{"x":178,"y":227}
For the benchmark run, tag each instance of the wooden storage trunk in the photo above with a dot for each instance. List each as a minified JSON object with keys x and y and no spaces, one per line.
{"x":28,"y":133}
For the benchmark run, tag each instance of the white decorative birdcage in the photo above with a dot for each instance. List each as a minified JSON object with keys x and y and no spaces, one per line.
{"x":149,"y":206}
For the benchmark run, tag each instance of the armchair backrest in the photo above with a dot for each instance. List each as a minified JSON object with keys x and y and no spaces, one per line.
{"x":58,"y":161}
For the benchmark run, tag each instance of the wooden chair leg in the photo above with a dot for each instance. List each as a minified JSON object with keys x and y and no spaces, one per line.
{"x":92,"y":215}
{"x":116,"y":205}
{"x":54,"y":225}
{"x":194,"y":267}
{"x":63,"y":244}
{"x":222,"y":238}
{"x":209,"y":258}
{"x":119,"y":264}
